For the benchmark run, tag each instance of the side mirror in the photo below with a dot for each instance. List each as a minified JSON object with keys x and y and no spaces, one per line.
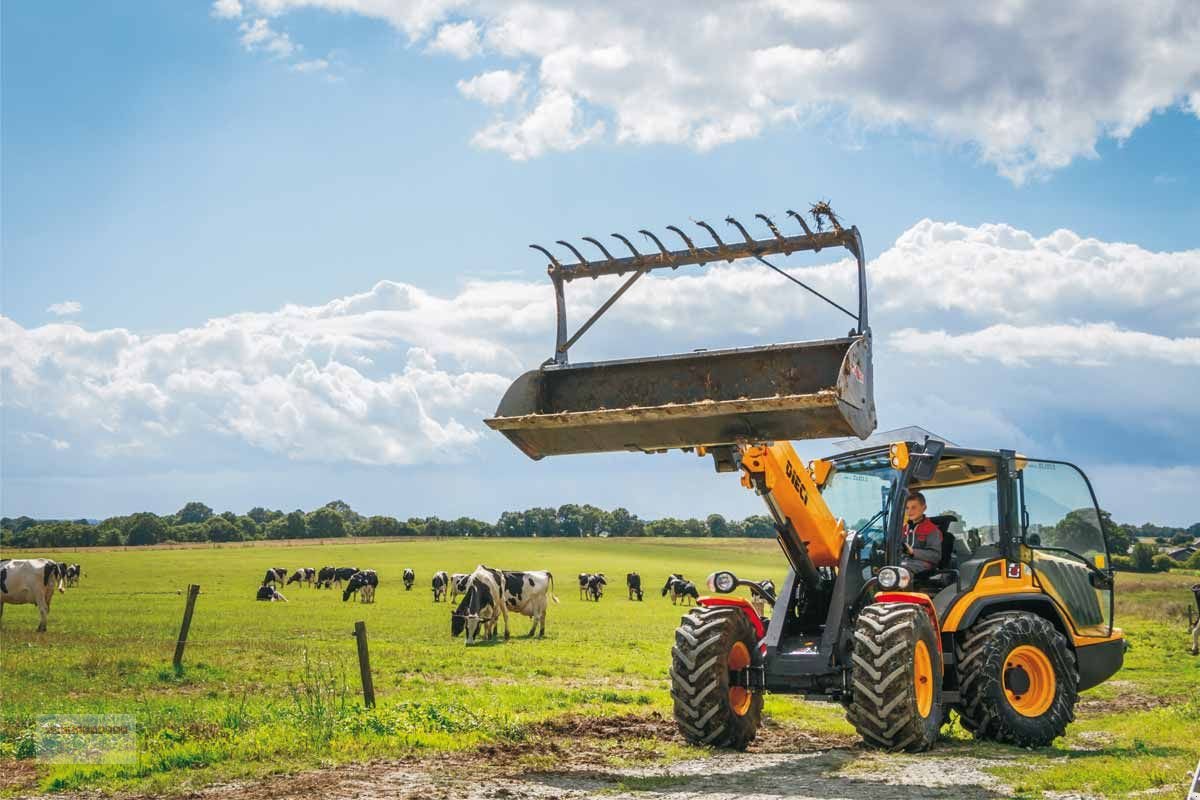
{"x":722,"y":582}
{"x":927,"y":460}
{"x":1100,"y":580}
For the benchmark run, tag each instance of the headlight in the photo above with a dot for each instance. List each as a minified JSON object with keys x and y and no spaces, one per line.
{"x":722,"y":582}
{"x":905,"y":577}
{"x":889,"y":578}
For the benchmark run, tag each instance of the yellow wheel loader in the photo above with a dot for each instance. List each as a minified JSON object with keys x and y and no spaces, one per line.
{"x":1006,"y":629}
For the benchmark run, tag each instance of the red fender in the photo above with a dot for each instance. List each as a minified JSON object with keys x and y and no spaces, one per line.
{"x":916,"y":598}
{"x":737,"y":602}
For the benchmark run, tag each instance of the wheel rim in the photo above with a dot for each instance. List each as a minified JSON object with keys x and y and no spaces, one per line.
{"x":1029,"y":681}
{"x":923,"y":679}
{"x":739,"y":659}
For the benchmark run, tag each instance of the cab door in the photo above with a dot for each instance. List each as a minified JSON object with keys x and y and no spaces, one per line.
{"x":1062,"y":540}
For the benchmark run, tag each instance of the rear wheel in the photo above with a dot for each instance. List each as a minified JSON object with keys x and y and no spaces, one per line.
{"x":1018,"y":680}
{"x":712,"y":646}
{"x":896,"y":678}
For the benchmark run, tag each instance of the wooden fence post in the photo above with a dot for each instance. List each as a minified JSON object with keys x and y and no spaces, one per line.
{"x":193,"y":590}
{"x":364,"y":664}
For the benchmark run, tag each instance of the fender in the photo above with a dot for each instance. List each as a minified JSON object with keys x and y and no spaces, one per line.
{"x":918,"y":599}
{"x":737,"y":602}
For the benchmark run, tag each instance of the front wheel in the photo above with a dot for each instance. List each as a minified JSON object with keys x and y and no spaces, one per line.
{"x":712,"y":647}
{"x":896,"y":678}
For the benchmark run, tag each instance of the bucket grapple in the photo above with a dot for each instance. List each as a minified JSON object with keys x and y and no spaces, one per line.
{"x":799,"y":390}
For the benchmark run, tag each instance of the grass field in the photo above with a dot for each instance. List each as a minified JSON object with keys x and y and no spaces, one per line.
{"x":273,"y":687}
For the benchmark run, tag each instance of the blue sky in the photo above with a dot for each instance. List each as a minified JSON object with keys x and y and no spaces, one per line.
{"x":176,"y":168}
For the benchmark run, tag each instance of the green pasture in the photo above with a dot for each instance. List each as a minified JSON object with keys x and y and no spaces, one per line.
{"x":271,"y":687}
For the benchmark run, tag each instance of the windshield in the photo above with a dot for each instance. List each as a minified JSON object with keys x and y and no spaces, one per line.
{"x":859,"y":492}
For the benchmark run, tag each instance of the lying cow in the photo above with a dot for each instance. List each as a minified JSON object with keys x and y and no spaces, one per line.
{"x":31,"y":581}
{"x":458,"y":585}
{"x":303,"y":575}
{"x":325,"y":577}
{"x":480,"y":606}
{"x":268,"y":593}
{"x":440,"y":581}
{"x":1196,"y":627}
{"x":528,"y":593}
{"x":633,"y":583}
{"x":681,"y":590}
{"x":595,"y":587}
{"x":362,"y":584}
{"x":409,"y":578}
{"x":274,"y":575}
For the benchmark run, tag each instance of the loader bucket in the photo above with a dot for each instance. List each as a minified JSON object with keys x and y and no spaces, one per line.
{"x":804,"y":390}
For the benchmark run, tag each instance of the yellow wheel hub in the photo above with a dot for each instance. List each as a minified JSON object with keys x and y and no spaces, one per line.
{"x":739,"y":659}
{"x":923,"y":679}
{"x":1029,"y":681}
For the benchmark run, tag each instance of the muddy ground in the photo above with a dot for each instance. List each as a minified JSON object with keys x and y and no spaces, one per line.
{"x":580,"y":757}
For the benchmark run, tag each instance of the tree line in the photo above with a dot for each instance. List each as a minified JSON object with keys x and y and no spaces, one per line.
{"x":196,"y":522}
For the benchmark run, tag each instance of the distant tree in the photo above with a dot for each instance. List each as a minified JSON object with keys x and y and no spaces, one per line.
{"x":260,"y":515}
{"x":249,"y":527}
{"x":222,"y":529}
{"x":759,"y":527}
{"x":145,"y":528}
{"x":569,"y":520}
{"x":1194,"y":561}
{"x":380,"y":526}
{"x":622,"y":523}
{"x":1142,"y":557}
{"x":1163,"y":563}
{"x":325,"y":523}
{"x":194,"y":511}
{"x":717,"y":525}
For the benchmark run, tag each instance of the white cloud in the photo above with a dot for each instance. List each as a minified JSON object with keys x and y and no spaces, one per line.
{"x":259,"y":35}
{"x":313,"y":65}
{"x":982,"y":333}
{"x":1031,"y":87}
{"x":555,"y":123}
{"x":226,"y":9}
{"x":492,"y":88}
{"x":460,"y":39}
{"x":65,"y":308}
{"x":34,"y":438}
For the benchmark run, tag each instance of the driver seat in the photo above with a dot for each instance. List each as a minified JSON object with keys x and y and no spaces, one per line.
{"x":947,"y":571}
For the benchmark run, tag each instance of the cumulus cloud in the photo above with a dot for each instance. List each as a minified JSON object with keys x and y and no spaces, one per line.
{"x":1047,"y":329}
{"x":258,"y":35}
{"x":492,"y":88}
{"x":65,"y":308}
{"x":459,"y":39}
{"x":226,"y":9}
{"x":1031,"y":88}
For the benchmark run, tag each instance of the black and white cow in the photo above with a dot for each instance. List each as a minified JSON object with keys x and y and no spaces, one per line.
{"x":343,"y":574}
{"x":596,"y":586}
{"x":528,"y":593}
{"x":409,"y":578}
{"x":458,"y":585}
{"x":274,"y":575}
{"x":681,"y":590}
{"x":268,"y":593}
{"x":362,"y":584}
{"x":31,"y":581}
{"x":481,"y":605}
{"x":325,"y":577}
{"x":440,"y":581}
{"x":584,"y":579}
{"x":633,"y":583}
{"x":302,"y":575}
{"x":72,"y":574}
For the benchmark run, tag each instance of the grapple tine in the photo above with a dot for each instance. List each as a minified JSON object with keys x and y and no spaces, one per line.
{"x":774,"y":230}
{"x":628,"y":244}
{"x":691,"y":247}
{"x":554,"y":261}
{"x":602,"y":248}
{"x":749,"y":239}
{"x":666,"y":254}
{"x":720,"y":245}
{"x":807,"y":230}
{"x":582,"y":261}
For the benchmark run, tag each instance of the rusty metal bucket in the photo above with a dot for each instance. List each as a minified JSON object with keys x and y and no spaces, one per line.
{"x":804,"y":390}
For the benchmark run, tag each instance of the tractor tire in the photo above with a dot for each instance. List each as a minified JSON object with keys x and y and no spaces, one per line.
{"x":896,"y":678}
{"x":1017,"y":680}
{"x":711,"y":644}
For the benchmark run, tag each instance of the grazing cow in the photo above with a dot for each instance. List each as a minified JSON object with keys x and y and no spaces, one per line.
{"x":362,"y":584}
{"x":343,"y":574}
{"x":669,"y":586}
{"x":1196,"y":627}
{"x":528,"y":593}
{"x":302,"y":575}
{"x":274,"y":575}
{"x":596,"y":586}
{"x":268,"y":593}
{"x":584,"y":579}
{"x":680,"y":590}
{"x":480,"y":605}
{"x":633,"y":582}
{"x":440,"y":579}
{"x":458,"y":585}
{"x":325,"y":577}
{"x":73,"y":571}
{"x":31,"y":581}
{"x":409,"y":578}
